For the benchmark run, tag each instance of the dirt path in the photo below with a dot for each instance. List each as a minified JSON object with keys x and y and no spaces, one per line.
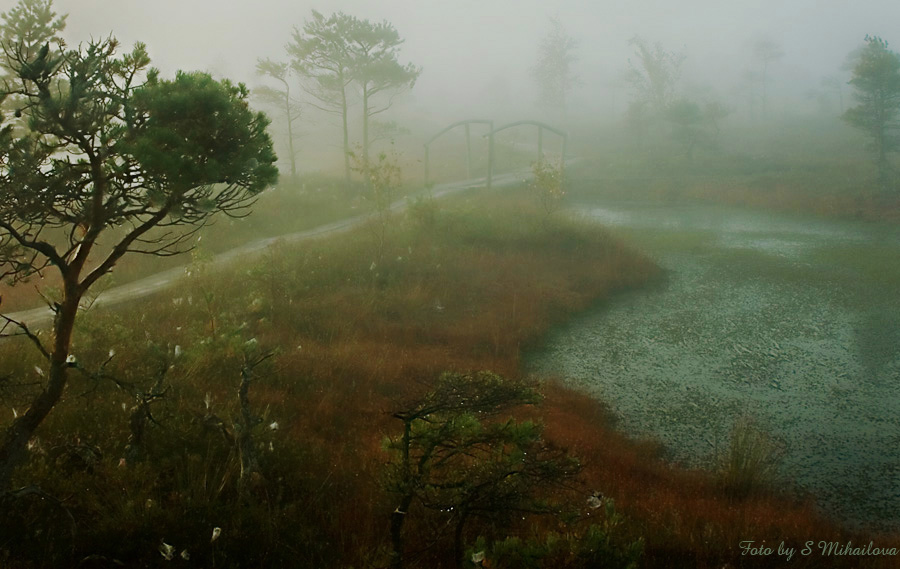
{"x":37,"y":318}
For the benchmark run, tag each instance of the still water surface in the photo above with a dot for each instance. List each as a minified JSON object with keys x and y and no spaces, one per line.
{"x":794,"y":321}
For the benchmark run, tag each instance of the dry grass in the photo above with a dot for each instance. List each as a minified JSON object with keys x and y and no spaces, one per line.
{"x":466,"y":289}
{"x":291,"y":206}
{"x":816,"y":169}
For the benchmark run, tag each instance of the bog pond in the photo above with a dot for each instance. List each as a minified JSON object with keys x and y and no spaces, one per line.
{"x":793,"y":321}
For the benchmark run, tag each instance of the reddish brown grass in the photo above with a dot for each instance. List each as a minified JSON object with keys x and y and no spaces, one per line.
{"x":467,"y":294}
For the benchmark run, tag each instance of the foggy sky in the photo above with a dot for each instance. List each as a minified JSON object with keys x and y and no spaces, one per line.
{"x":472,"y":50}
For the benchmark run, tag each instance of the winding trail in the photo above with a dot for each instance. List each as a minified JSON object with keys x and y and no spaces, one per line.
{"x":37,"y":318}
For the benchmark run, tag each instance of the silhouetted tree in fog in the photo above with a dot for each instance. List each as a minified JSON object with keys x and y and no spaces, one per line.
{"x":766,"y":52}
{"x":654,"y":76}
{"x":281,"y":99}
{"x":319,"y":55}
{"x":27,"y":27}
{"x":333,"y":53}
{"x":553,"y":71}
{"x":373,"y":49}
{"x":687,"y":120}
{"x":876,"y":80}
{"x":653,"y":79}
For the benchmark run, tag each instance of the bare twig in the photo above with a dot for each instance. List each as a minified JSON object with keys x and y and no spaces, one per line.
{"x":23,"y":331}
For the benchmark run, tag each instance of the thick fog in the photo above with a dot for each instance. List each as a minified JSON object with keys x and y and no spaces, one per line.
{"x":682,"y":211}
{"x":477,"y":54}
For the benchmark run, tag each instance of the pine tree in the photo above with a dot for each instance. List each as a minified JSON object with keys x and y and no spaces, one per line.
{"x":27,"y":27}
{"x":876,"y":80}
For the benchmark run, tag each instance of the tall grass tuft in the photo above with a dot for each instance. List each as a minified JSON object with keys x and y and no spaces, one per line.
{"x":749,"y":463}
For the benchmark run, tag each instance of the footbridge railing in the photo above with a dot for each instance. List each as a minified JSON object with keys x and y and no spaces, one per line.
{"x":466,"y":124}
{"x":541,"y":127}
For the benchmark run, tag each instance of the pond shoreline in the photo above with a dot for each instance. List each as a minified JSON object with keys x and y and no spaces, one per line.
{"x":750,"y":321}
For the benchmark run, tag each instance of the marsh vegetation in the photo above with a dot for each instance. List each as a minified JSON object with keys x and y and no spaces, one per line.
{"x":575,"y":331}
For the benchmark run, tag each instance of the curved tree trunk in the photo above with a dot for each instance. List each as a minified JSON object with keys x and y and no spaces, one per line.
{"x":15,"y":440}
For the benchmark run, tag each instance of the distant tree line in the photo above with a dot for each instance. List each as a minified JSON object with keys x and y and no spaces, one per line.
{"x":653,"y":77}
{"x":335,"y":59}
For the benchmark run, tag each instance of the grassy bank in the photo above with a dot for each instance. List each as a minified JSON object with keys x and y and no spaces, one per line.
{"x":355,"y":330}
{"x":290,"y":207}
{"x":806,"y":165}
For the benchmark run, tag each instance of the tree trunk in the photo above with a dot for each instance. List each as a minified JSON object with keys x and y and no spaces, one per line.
{"x":365,"y":136}
{"x":399,"y":514}
{"x":458,"y":544}
{"x":880,"y":135}
{"x":290,"y":126}
{"x":346,"y":136}
{"x":244,"y":430}
{"x":397,"y":519}
{"x":15,"y":441}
